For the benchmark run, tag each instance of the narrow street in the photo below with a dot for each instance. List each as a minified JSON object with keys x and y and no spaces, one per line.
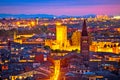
{"x":57,"y":70}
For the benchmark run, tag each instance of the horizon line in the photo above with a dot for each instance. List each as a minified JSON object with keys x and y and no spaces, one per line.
{"x":54,"y":14}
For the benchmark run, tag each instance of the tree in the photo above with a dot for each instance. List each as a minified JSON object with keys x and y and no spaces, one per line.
{"x":44,"y":29}
{"x":47,"y":47}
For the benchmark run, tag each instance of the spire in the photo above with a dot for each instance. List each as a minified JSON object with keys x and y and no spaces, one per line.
{"x":84,"y":29}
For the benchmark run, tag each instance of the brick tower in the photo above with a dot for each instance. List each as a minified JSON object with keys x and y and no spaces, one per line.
{"x":85,"y":42}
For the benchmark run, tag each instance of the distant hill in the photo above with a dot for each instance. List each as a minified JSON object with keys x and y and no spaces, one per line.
{"x":84,"y":16}
{"x":41,"y":16}
{"x":26,"y":15}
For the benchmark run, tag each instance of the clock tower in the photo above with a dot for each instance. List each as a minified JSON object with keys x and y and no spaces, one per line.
{"x":84,"y":43}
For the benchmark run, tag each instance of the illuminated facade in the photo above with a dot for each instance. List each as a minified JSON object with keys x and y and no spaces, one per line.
{"x":61,"y":35}
{"x":19,"y":38}
{"x":76,"y":38}
{"x":62,"y":43}
{"x":112,"y":47}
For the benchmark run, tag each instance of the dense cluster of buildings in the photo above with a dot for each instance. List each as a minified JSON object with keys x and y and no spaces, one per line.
{"x":86,"y":55}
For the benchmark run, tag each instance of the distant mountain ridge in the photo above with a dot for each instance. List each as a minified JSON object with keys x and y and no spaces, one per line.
{"x":26,"y":15}
{"x":41,"y":16}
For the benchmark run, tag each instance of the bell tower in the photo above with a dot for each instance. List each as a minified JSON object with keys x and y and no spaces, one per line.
{"x":84,"y":42}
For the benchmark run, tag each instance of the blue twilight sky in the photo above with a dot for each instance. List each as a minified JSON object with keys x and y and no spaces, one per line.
{"x":60,"y":7}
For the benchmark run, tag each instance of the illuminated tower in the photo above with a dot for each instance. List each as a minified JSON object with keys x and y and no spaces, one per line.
{"x":37,"y":21}
{"x":61,"y":34}
{"x":85,"y":42}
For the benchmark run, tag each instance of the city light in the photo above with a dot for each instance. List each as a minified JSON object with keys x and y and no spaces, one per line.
{"x":116,"y":17}
{"x":56,"y":70}
{"x":59,"y":40}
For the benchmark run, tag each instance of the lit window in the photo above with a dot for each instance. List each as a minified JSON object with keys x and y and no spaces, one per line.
{"x":84,"y":41}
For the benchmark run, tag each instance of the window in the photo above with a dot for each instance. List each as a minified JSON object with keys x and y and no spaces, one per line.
{"x":84,"y":41}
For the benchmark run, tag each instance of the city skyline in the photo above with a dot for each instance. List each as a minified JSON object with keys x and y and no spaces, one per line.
{"x":60,"y":7}
{"x":59,"y":40}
